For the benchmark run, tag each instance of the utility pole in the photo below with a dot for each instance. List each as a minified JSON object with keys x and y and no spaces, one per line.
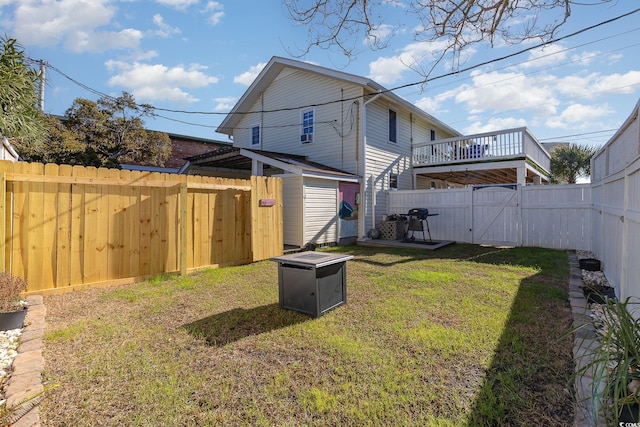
{"x":43,"y":81}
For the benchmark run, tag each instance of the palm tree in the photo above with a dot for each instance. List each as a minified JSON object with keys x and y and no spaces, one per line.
{"x":568,"y":162}
{"x":19,"y":114}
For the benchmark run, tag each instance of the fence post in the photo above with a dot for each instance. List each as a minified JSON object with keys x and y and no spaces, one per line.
{"x":3,"y":220}
{"x":183,"y":229}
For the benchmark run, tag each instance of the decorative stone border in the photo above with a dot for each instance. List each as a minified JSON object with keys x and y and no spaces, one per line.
{"x":585,"y":337}
{"x":24,"y":389}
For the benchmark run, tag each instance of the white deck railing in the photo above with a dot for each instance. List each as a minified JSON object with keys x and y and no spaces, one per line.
{"x":506,"y":144}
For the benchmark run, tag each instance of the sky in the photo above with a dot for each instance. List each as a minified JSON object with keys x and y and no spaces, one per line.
{"x":198,"y":57}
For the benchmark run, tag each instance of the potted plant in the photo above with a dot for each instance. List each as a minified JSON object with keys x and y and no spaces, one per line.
{"x":614,"y":362}
{"x":12,"y":307}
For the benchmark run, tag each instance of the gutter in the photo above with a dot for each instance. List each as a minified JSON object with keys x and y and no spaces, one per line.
{"x":363,"y":171}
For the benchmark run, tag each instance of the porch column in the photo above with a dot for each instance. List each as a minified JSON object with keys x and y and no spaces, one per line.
{"x":522,"y":175}
{"x":256,"y":167}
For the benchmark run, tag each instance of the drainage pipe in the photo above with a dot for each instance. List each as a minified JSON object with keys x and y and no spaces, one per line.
{"x":363,"y":170}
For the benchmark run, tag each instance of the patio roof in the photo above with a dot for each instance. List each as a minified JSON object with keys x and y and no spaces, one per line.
{"x":241,"y":159}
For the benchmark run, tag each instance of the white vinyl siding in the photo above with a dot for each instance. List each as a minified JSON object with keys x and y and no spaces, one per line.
{"x":320,"y":211}
{"x":292,"y":206}
{"x":334,"y":134}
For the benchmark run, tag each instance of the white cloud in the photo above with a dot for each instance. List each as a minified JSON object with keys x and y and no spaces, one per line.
{"x":47,"y":23}
{"x":379,"y":36}
{"x":102,"y":41}
{"x":546,"y":56}
{"x":595,"y":85}
{"x":164,"y":30}
{"x":509,"y":91}
{"x":218,"y":12}
{"x":224,"y":104}
{"x":178,"y":4}
{"x":154,"y":82}
{"x":387,"y":70}
{"x":495,"y":124}
{"x":396,"y":3}
{"x":433,"y":105}
{"x":578,"y":115}
{"x":248,"y":77}
{"x":216,"y":18}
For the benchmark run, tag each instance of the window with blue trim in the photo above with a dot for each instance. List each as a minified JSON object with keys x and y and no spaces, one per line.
{"x":255,"y":135}
{"x":393,"y":126}
{"x":306,"y":135}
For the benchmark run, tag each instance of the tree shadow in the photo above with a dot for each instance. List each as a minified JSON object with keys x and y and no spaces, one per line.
{"x":528,"y":380}
{"x":223,"y":328}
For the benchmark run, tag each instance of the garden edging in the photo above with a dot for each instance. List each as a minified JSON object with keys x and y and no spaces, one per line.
{"x":24,"y":389}
{"x":584,"y":337}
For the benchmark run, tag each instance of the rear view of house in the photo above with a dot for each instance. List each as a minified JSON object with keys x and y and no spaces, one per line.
{"x":339,"y":142}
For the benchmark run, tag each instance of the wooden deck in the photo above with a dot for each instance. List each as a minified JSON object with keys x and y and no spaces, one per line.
{"x":418,"y":244}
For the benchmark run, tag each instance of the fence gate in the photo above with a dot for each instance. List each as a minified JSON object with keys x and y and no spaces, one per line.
{"x":495,"y":215}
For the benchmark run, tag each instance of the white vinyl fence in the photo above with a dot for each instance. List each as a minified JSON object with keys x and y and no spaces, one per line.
{"x":557,"y":217}
{"x":602,"y":217}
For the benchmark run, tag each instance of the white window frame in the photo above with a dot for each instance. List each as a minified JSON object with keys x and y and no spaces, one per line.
{"x":257,"y":125}
{"x":395,"y":112}
{"x":305,"y":136}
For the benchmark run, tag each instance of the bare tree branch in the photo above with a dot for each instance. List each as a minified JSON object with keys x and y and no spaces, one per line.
{"x":457,"y":24}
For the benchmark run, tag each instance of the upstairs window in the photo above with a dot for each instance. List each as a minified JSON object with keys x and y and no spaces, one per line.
{"x":255,"y":135}
{"x":393,"y":126}
{"x":306,"y":133}
{"x":433,"y":135}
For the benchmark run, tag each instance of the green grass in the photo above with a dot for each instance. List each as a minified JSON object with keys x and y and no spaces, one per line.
{"x":465,"y":335}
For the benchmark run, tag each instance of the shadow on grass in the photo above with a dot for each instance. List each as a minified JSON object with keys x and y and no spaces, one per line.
{"x":527,"y":381}
{"x":235,"y":324}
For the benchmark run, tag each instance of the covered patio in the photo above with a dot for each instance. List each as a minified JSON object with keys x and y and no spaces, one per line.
{"x":512,"y":156}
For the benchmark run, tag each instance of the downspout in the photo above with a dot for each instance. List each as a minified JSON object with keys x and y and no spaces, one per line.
{"x":363,"y":171}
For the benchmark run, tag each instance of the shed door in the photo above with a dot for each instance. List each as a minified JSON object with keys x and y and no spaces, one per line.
{"x":495,"y":215}
{"x":320,"y":211}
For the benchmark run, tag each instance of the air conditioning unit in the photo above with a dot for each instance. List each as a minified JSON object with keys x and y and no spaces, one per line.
{"x":306,"y":138}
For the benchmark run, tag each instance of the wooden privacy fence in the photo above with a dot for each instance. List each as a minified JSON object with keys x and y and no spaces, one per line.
{"x":68,"y":226}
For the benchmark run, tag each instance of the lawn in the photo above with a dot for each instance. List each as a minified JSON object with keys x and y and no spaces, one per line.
{"x":465,"y":335}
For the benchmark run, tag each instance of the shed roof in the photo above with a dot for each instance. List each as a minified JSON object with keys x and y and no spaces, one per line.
{"x":241,"y":159}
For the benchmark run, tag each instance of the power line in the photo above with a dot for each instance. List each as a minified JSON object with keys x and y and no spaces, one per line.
{"x":577,"y":135}
{"x":422,"y":82}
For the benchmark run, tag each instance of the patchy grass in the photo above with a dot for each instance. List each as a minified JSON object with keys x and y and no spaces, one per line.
{"x":460,"y":336}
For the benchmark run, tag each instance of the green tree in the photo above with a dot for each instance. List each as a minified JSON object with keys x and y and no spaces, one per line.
{"x":62,"y":146}
{"x":114,"y":129}
{"x":105,"y":133}
{"x":568,"y":162}
{"x":19,"y":114}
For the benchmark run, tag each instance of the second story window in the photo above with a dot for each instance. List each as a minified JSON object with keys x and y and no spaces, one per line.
{"x":306,"y":133}
{"x":393,"y":126}
{"x":255,"y":135}
{"x":433,"y":135}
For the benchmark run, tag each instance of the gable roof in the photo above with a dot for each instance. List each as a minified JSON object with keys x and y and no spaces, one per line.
{"x":277,"y":64}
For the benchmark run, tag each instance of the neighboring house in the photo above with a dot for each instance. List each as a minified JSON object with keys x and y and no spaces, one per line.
{"x":357,"y":134}
{"x":7,"y":152}
{"x":182,"y":147}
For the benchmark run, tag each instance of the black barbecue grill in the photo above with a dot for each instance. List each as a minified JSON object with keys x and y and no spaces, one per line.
{"x":418,"y":221}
